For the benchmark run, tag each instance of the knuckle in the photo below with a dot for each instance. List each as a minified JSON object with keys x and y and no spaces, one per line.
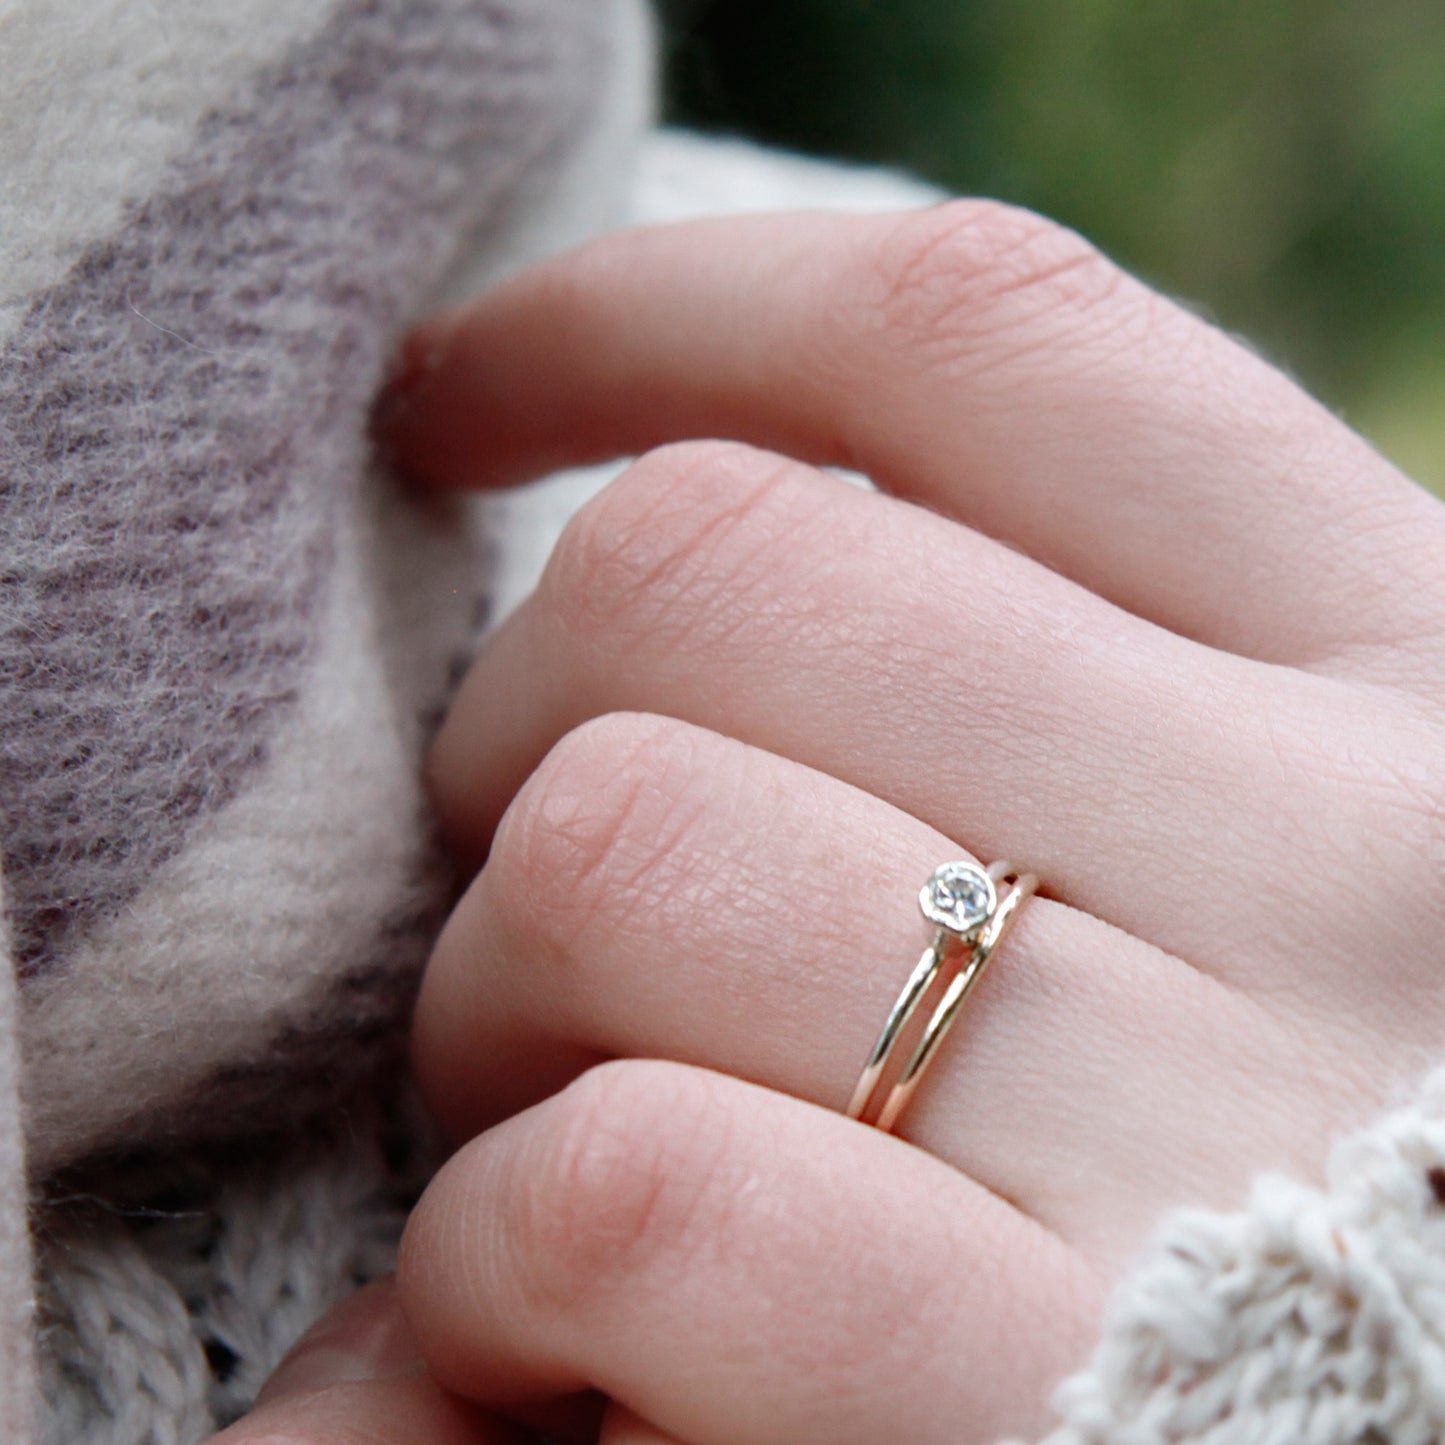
{"x":623,"y":1181}
{"x":582,"y":839}
{"x":671,"y":534}
{"x":1396,"y":835}
{"x":962,"y":274}
{"x":1407,"y":786}
{"x":1375,"y":789}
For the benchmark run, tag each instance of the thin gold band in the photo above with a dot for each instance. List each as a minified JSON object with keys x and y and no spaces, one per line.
{"x":959,"y":956}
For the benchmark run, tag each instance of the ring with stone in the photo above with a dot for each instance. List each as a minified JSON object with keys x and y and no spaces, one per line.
{"x":971,"y":909}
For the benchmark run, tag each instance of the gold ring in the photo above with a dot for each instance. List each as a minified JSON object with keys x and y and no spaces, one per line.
{"x":971,"y":908}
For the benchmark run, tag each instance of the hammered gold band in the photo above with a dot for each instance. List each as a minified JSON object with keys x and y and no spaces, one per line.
{"x":972,"y":909}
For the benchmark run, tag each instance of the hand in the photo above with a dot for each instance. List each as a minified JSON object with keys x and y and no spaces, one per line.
{"x":1132,"y":612}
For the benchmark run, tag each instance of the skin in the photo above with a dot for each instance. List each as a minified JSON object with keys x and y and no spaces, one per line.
{"x":1128,"y":609}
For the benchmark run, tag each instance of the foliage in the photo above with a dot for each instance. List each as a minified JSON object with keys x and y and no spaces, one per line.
{"x":1280,"y":163}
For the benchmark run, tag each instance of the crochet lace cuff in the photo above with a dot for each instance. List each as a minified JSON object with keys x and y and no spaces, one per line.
{"x":1311,"y":1317}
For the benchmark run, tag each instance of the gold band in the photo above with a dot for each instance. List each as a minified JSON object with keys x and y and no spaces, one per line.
{"x":972,"y":909}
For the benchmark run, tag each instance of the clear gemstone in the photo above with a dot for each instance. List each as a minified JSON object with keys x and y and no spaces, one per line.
{"x":958,"y":897}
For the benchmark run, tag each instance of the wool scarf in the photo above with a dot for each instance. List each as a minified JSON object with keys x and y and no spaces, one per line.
{"x":224,"y":632}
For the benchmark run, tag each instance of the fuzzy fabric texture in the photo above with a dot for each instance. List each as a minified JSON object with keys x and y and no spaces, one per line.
{"x":224,"y":637}
{"x":17,"y":1398}
{"x":1312,"y":1317}
{"x":220,"y":638}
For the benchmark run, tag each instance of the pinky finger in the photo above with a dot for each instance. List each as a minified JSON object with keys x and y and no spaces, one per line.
{"x":356,"y":1379}
{"x":738,"y":1267}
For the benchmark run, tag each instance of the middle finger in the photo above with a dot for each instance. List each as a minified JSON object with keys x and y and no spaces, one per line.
{"x":933,"y":667}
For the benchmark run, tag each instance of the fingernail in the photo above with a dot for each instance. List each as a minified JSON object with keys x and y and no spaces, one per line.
{"x":419,"y":358}
{"x":364,"y":1338}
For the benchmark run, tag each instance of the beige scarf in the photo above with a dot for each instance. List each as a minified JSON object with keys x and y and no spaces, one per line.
{"x":224,"y":636}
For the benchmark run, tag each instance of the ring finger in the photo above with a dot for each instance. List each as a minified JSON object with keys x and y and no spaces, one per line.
{"x":660,"y":891}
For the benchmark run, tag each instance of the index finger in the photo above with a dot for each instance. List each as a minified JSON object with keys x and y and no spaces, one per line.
{"x":974,"y":357}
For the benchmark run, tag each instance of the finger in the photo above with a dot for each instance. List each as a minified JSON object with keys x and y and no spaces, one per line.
{"x":737,"y":1267}
{"x":973,"y":356}
{"x":357,"y":1376}
{"x":961,"y":682}
{"x":658,"y":891}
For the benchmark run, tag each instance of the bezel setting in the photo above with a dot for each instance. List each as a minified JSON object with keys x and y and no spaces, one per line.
{"x":960,"y":897}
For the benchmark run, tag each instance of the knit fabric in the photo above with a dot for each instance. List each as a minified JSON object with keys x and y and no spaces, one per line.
{"x":224,"y":638}
{"x":162,"y":1316}
{"x":1313,"y":1317}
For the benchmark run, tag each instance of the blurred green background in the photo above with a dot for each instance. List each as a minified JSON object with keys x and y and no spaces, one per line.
{"x":1278,"y":163}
